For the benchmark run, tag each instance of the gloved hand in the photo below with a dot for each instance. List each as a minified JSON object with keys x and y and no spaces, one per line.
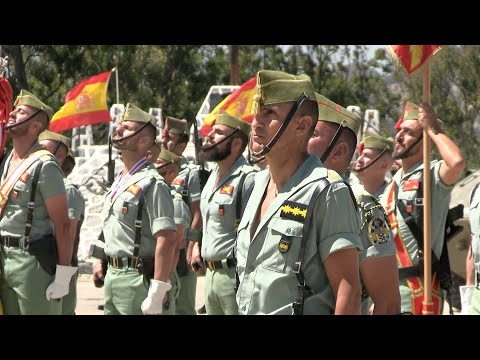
{"x":60,"y":286}
{"x":466,"y":293}
{"x":153,"y":304}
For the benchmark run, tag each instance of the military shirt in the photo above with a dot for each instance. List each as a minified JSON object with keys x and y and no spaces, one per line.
{"x":265,"y":258}
{"x":405,"y":188}
{"x":380,"y":191}
{"x":76,"y":201}
{"x":474,"y":217}
{"x":182,"y":214}
{"x":218,"y":205}
{"x":193,"y":185}
{"x":119,"y":214}
{"x":50,"y":183}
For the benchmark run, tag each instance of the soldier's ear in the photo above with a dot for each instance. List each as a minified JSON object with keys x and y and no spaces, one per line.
{"x":303,"y":124}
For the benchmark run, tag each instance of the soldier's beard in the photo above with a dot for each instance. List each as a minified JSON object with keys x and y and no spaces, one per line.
{"x":217,"y":153}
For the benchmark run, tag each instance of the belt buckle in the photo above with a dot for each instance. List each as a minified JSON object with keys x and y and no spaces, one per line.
{"x":115,"y":262}
{"x":418,"y":201}
{"x":211,"y":265}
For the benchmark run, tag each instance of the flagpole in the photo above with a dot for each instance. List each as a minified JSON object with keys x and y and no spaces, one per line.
{"x":427,"y":244}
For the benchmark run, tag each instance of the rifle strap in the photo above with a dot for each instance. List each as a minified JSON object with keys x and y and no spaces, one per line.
{"x":31,"y":203}
{"x":302,"y":287}
{"x":138,"y":221}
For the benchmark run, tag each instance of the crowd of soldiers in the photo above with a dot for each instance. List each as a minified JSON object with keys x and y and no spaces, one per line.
{"x":281,"y":231}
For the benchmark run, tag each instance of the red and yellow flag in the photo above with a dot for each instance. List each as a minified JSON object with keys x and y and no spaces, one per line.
{"x":238,"y":103}
{"x":411,"y":57}
{"x":85,"y":104}
{"x":6,"y":95}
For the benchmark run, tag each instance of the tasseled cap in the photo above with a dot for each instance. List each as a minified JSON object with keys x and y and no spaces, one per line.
{"x":170,"y":156}
{"x":411,"y":112}
{"x":50,"y":135}
{"x":176,"y":126}
{"x":332,"y":112}
{"x":27,"y":98}
{"x":274,"y":87}
{"x":373,"y":141}
{"x":224,"y":118}
{"x":133,"y":113}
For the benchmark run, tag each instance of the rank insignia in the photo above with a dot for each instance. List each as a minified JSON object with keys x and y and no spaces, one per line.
{"x":378,"y":231}
{"x":411,"y":185}
{"x":24,"y":177}
{"x":333,"y":176}
{"x":294,"y":211}
{"x":227,"y":189}
{"x":134,"y":189}
{"x":221,"y":210}
{"x":283,"y":246}
{"x":177,"y":181}
{"x":15,"y":194}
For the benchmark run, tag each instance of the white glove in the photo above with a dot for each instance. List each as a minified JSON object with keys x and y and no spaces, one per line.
{"x":153,"y":304}
{"x":466,"y":293}
{"x":60,"y":286}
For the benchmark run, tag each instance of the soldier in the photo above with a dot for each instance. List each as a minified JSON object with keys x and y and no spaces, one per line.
{"x":68,"y":163}
{"x":221,"y":204}
{"x":292,"y":252}
{"x":187,"y":183}
{"x":374,"y":163}
{"x":36,"y":242}
{"x":168,"y":165}
{"x":378,"y":266}
{"x":403,"y":201}
{"x":138,"y":224}
{"x":59,"y":146}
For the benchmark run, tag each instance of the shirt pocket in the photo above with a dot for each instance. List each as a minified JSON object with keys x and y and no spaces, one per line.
{"x":224,"y":209}
{"x":280,"y":251}
{"x":127,"y":207}
{"x":20,"y":194}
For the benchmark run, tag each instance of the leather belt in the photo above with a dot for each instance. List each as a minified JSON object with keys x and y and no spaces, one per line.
{"x":10,"y":241}
{"x":218,"y":264}
{"x":118,"y":262}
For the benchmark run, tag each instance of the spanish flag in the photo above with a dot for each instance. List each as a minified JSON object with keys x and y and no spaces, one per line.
{"x":411,"y":57}
{"x":238,"y":103}
{"x":6,"y":95}
{"x":85,"y":104}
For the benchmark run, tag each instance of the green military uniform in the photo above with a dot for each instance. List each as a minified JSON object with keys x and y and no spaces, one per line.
{"x":125,"y":288}
{"x":76,"y":211}
{"x":474,"y":216}
{"x":23,"y":291}
{"x":266,"y":257}
{"x":375,"y":234}
{"x":377,"y":238}
{"x":267,"y":282}
{"x":25,"y":281}
{"x":187,"y":183}
{"x":405,"y":188}
{"x":218,"y":205}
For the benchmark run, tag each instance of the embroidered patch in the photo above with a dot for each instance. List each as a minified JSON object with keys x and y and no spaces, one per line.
{"x":24,"y":177}
{"x":227,"y":189}
{"x":378,"y":231}
{"x":124,"y":210}
{"x":294,"y":211}
{"x":411,"y":185}
{"x":15,"y":194}
{"x":283,"y":246}
{"x":409,"y":208}
{"x":177,"y":181}
{"x":134,"y":189}
{"x":221,"y":210}
{"x":333,"y":176}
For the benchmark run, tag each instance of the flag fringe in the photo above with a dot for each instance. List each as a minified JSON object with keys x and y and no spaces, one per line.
{"x":396,"y":60}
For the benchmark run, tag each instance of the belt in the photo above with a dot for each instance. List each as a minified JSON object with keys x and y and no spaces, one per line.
{"x":118,"y":262}
{"x":10,"y":241}
{"x":218,"y":264}
{"x":416,"y":270}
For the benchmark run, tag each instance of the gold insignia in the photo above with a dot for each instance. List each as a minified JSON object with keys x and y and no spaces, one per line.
{"x":333,"y":176}
{"x":378,"y":231}
{"x":283,"y":246}
{"x":294,"y":211}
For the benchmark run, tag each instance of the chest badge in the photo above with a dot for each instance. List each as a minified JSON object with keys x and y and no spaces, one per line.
{"x":283,"y":246}
{"x":134,"y":189}
{"x":378,"y":231}
{"x":227,"y":189}
{"x":15,"y":194}
{"x":294,"y":211}
{"x":24,"y":177}
{"x":221,"y":210}
{"x":411,"y":185}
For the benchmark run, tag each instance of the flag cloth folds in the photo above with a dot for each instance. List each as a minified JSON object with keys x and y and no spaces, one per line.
{"x":238,"y":103}
{"x":85,"y":104}
{"x":6,"y":95}
{"x":411,"y":57}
